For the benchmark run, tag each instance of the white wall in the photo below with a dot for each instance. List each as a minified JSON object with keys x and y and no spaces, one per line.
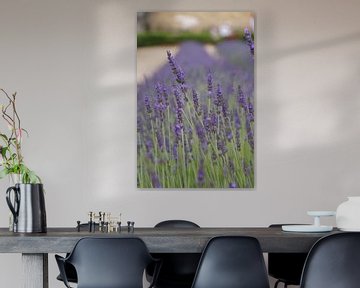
{"x":73,"y":66}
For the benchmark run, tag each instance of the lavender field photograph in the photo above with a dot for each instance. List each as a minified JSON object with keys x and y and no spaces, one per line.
{"x":195,"y":100}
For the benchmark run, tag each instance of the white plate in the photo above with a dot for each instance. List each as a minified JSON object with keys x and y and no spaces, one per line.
{"x":306,"y":228}
{"x":321,"y":213}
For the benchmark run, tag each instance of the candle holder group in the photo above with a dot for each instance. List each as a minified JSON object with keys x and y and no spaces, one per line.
{"x":104,"y":222}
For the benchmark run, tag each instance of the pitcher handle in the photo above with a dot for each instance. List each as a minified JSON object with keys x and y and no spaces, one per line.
{"x":13,"y":208}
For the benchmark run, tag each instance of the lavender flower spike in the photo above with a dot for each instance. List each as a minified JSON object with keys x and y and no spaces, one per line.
{"x":210,"y":83}
{"x":201,"y":174}
{"x":196,"y":102}
{"x":241,"y":98}
{"x":176,"y":69}
{"x":232,"y":185}
{"x":220,"y":102}
{"x":178,"y":129}
{"x":250,"y":42}
{"x":155,"y":181}
{"x":147,"y":104}
{"x":219,"y":96}
{"x":179,"y":107}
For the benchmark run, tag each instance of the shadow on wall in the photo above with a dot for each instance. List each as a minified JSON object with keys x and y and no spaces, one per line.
{"x":307,"y":112}
{"x":310,"y":47}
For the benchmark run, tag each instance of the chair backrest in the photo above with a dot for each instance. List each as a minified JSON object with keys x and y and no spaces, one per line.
{"x":333,"y":262}
{"x":110,"y":262}
{"x":232,"y":262}
{"x":176,"y":224}
{"x":178,"y":269}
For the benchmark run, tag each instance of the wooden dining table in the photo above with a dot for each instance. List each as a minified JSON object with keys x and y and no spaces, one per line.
{"x":35,"y":247}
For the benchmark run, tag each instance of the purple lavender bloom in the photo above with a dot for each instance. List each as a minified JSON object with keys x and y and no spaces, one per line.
{"x":246,"y":169}
{"x":178,"y":99}
{"x":179,"y":123}
{"x":155,"y":181}
{"x":219,"y":97}
{"x":179,"y":106}
{"x":180,"y":76}
{"x":207,"y":124}
{"x":241,"y":98}
{"x":200,"y":177}
{"x":251,"y":139}
{"x":224,"y":109}
{"x":158,"y":89}
{"x":202,"y":136}
{"x":250,"y":134}
{"x":251,"y":112}
{"x":178,"y":132}
{"x":221,"y":146}
{"x":237,"y":139}
{"x":149,"y":149}
{"x":178,"y":129}
{"x":220,"y":102}
{"x":176,"y":69}
{"x":184,"y":88}
{"x":232,"y":185}
{"x":147,"y":104}
{"x":229,"y":135}
{"x":188,"y":147}
{"x":149,"y":145}
{"x":160,"y":105}
{"x":172,"y":62}
{"x":210,"y":83}
{"x":196,"y":102}
{"x":201,"y":174}
{"x":213,"y":122}
{"x":250,"y":42}
{"x":159,"y":109}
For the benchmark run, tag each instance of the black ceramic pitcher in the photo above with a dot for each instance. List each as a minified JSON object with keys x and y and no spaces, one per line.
{"x":28,"y":207}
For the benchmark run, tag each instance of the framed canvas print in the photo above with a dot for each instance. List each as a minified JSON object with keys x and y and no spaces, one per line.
{"x":195,"y":100}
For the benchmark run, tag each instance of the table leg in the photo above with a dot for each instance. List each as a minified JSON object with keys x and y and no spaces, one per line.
{"x":35,"y":270}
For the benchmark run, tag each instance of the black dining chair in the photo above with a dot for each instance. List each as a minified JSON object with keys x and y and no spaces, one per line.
{"x":285,"y":267}
{"x":70,"y":271}
{"x":333,"y":262}
{"x":232,"y":262}
{"x":178,"y":269}
{"x":108,"y":263}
